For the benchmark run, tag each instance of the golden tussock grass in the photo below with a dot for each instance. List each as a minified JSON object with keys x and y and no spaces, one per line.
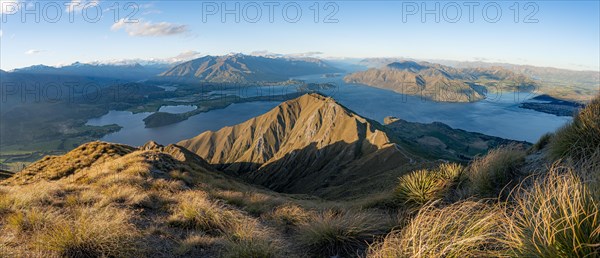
{"x":464,"y":229}
{"x":255,"y":203}
{"x":195,"y":211}
{"x":344,"y":233}
{"x":91,"y":233}
{"x":289,"y":215}
{"x":556,"y":217}
{"x":581,"y":138}
{"x":489,"y":174}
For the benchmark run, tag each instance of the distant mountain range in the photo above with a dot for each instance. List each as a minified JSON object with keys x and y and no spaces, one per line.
{"x":126,"y":72}
{"x":441,"y":83}
{"x":240,"y":68}
{"x":559,"y":83}
{"x":234,"y":68}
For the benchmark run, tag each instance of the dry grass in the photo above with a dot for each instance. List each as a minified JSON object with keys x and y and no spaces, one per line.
{"x":195,"y":211}
{"x":465,"y":229}
{"x":194,"y":244}
{"x":489,"y":174}
{"x":92,"y":233}
{"x":255,"y":203}
{"x":29,"y":220}
{"x":581,"y":138}
{"x":84,"y":156}
{"x":556,"y":217}
{"x":289,"y":215}
{"x":343,"y":233}
{"x":98,"y":211}
{"x":247,"y":239}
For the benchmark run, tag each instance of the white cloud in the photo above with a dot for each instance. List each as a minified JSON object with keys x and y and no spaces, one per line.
{"x":33,"y":51}
{"x":185,"y":56}
{"x":9,"y":6}
{"x":266,"y":53}
{"x":180,"y":58}
{"x":1,"y":33}
{"x":306,"y":54}
{"x":148,"y":29}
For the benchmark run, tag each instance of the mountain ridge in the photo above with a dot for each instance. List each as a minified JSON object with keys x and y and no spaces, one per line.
{"x":241,"y":68}
{"x":306,"y":144}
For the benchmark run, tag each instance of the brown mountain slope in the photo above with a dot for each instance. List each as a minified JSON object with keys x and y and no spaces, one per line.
{"x":306,"y":145}
{"x":442,"y":83}
{"x":415,"y":79}
{"x":241,"y":68}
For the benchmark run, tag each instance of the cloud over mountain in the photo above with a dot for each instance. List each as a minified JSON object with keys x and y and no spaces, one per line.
{"x":148,"y":29}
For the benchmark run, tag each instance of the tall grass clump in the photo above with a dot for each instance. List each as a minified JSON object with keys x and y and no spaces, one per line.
{"x":422,"y":186}
{"x":247,"y":239}
{"x":288,"y":215}
{"x":343,"y":233}
{"x":419,"y":187}
{"x":92,"y":233}
{"x":196,"y":211}
{"x":489,"y":174}
{"x":542,"y":142}
{"x":556,"y":217}
{"x":463,"y":229}
{"x":580,"y":138}
{"x":28,"y":220}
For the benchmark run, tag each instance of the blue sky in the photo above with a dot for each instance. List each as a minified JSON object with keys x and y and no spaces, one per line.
{"x":564,"y":34}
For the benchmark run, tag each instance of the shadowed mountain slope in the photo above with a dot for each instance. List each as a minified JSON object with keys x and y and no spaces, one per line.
{"x":307,"y":145}
{"x":313,"y":145}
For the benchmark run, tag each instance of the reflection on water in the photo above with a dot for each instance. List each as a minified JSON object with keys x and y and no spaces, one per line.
{"x":179,"y":109}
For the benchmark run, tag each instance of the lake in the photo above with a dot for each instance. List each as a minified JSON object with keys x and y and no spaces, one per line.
{"x":498,"y":115}
{"x":134,"y":132}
